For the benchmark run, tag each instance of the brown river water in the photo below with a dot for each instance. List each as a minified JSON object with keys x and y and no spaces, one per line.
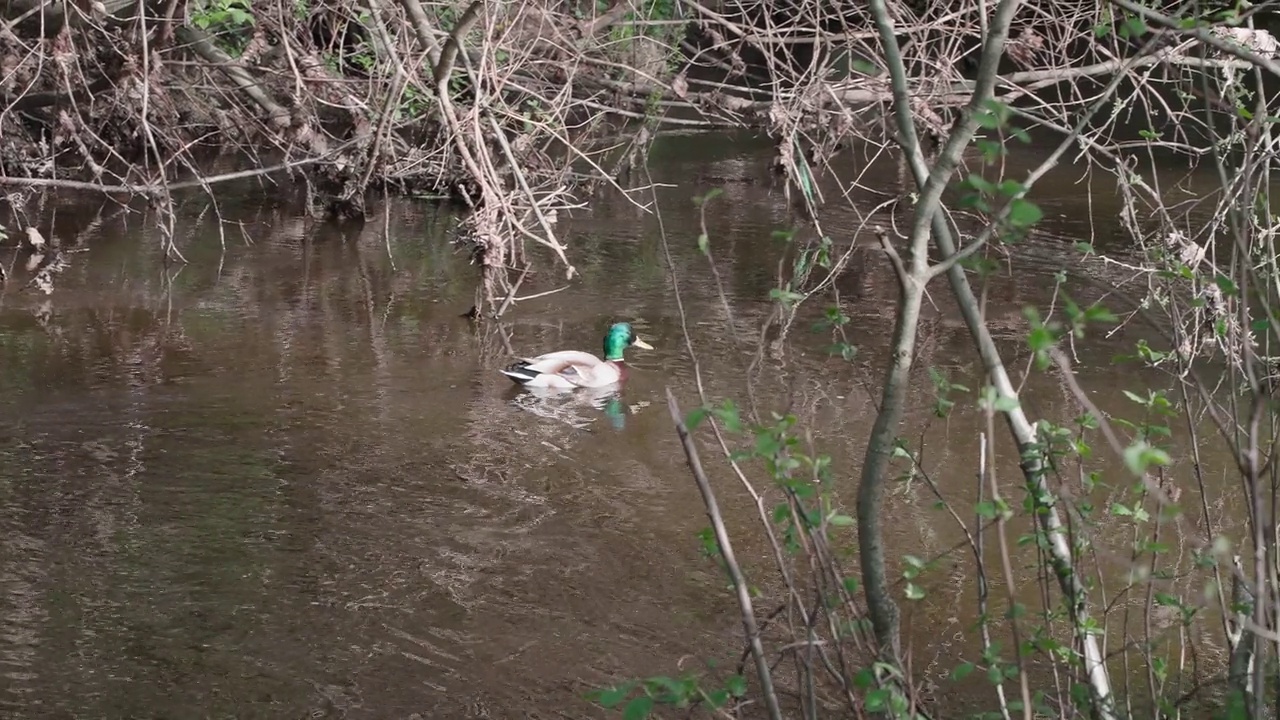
{"x":286,"y":480}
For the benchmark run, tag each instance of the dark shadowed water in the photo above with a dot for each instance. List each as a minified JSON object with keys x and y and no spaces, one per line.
{"x":286,"y":480}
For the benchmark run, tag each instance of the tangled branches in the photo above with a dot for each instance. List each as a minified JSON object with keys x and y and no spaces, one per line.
{"x":509,"y":108}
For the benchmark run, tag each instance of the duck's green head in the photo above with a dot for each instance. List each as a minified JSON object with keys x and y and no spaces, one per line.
{"x":621,"y":337}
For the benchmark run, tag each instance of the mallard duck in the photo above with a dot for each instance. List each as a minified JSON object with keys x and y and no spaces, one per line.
{"x":576,"y":369}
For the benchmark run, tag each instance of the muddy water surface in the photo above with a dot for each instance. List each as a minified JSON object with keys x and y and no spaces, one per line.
{"x":286,"y":480}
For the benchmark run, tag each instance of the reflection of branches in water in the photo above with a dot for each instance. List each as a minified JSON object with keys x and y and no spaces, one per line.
{"x":23,"y":571}
{"x":88,"y":478}
{"x":493,"y":342}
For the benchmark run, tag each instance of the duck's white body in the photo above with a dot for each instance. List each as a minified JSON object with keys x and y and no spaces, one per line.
{"x":569,"y":369}
{"x":566,"y":369}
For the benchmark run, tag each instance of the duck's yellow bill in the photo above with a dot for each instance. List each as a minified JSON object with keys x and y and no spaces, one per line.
{"x":642,"y":344}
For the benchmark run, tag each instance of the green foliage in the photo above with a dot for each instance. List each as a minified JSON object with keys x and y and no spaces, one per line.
{"x":913,"y":567}
{"x":1005,"y":201}
{"x":647,"y":34}
{"x":1127,"y":26}
{"x":414,"y":104}
{"x":230,"y":21}
{"x":1015,"y":214}
{"x":834,"y":321}
{"x":223,"y":15}
{"x":634,"y":24}
{"x":809,"y":509}
{"x":726,"y":413}
{"x":443,"y":14}
{"x":819,"y":255}
{"x":638,"y":698}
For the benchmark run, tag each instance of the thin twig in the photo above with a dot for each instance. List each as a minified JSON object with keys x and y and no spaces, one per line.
{"x":730,"y":561}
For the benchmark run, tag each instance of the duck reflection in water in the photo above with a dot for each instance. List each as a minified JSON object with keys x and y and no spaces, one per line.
{"x":572,"y":406}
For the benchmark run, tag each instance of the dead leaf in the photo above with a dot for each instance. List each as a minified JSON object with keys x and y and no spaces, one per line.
{"x":680,"y":86}
{"x":35,"y":241}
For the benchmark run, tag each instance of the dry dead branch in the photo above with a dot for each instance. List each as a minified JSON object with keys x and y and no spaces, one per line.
{"x":504,"y":106}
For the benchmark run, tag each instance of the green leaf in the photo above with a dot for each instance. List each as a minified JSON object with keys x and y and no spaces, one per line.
{"x":1024,"y":213}
{"x":914,"y":592}
{"x":1133,"y":27}
{"x":1140,"y":455}
{"x":1040,"y":339}
{"x":638,"y":709}
{"x":997,"y":108}
{"x":987,"y":121}
{"x":612,"y":697}
{"x":712,"y":194}
{"x":841,"y":520}
{"x":786,"y":297}
{"x":729,"y":417}
{"x":767,"y":445}
{"x":981,"y":184}
{"x":704,"y":244}
{"x":844,"y":350}
{"x":669,"y":690}
{"x":1100,"y":314}
{"x":695,"y":418}
{"x":991,"y":150}
{"x":736,"y":685}
{"x":1227,"y":285}
{"x":1011,"y":188}
{"x":1005,"y":404}
{"x":863,"y":66}
{"x":877,"y":700}
{"x":974,"y":201}
{"x":717,"y":698}
{"x":962,"y":671}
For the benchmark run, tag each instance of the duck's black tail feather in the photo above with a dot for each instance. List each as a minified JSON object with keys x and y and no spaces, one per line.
{"x":520,"y":372}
